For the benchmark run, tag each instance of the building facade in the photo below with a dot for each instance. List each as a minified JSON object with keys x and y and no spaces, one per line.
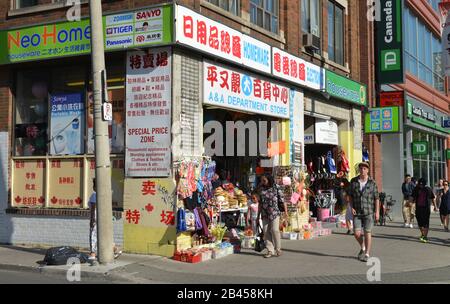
{"x":422,"y":143}
{"x":170,"y":69}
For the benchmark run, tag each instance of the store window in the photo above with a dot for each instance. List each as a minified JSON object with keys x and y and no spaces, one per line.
{"x":335,"y":32}
{"x":311,"y":17}
{"x":423,"y":52}
{"x":265,"y":13}
{"x":431,"y":166}
{"x":232,"y":6}
{"x":25,"y":3}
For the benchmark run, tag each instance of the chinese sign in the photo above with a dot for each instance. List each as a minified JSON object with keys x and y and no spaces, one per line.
{"x":232,"y":89}
{"x":345,"y":89}
{"x":148,"y":112}
{"x":297,"y":70}
{"x":67,"y":124}
{"x":382,"y":120}
{"x":117,"y":180}
{"x":296,"y":127}
{"x":204,"y":34}
{"x":392,"y":99}
{"x":28,"y":184}
{"x":150,"y":215}
{"x":144,"y":27}
{"x":389,"y":42}
{"x":65,"y":183}
{"x":419,"y":148}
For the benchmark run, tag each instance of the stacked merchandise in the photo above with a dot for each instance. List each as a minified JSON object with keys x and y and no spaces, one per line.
{"x":308,"y":231}
{"x":204,"y":253}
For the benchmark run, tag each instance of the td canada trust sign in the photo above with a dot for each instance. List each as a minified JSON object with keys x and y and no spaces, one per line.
{"x":389,"y":42}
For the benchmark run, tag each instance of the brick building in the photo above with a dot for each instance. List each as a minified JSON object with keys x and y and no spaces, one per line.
{"x":313,"y":50}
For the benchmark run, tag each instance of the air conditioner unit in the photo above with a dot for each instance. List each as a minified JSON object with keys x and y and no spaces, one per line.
{"x":311,"y":42}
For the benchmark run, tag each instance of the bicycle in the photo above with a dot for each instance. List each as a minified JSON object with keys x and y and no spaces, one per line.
{"x":386,"y":207}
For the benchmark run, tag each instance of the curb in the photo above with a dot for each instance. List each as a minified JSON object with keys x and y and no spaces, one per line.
{"x":62,"y":272}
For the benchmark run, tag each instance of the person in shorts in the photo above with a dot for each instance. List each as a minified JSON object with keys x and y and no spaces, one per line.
{"x":365,"y":203}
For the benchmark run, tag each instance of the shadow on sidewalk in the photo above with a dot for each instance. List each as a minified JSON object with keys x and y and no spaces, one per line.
{"x":314,"y":253}
{"x":432,"y":240}
{"x":24,"y":249}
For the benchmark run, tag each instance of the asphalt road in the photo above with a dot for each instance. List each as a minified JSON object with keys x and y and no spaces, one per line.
{"x":27,"y":277}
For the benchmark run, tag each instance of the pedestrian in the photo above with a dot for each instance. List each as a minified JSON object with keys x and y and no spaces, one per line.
{"x":423,"y":198}
{"x":253,"y":213}
{"x":409,"y":208}
{"x":365,"y":203}
{"x":270,"y":214}
{"x":93,"y":226}
{"x":444,"y":208}
{"x":437,"y":190}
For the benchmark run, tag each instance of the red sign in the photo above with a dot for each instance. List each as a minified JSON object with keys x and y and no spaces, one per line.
{"x":392,"y":99}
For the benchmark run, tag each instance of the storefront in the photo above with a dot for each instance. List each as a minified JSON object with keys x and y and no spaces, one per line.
{"x":425,"y":142}
{"x":52,"y":142}
{"x":182,"y":112}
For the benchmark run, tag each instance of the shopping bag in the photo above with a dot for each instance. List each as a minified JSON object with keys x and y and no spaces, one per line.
{"x":260,"y":244}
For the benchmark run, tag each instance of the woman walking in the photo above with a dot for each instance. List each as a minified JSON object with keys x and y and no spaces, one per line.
{"x":270,"y":214}
{"x":444,"y":207}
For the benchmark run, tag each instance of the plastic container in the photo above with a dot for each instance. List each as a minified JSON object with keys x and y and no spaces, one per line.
{"x":323,"y":213}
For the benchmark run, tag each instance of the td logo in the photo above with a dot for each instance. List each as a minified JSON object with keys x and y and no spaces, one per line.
{"x":420,"y":148}
{"x":390,"y":60}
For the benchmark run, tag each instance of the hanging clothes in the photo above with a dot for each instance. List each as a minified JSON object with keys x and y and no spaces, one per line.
{"x":331,"y":165}
{"x":181,"y":220}
{"x":344,"y":163}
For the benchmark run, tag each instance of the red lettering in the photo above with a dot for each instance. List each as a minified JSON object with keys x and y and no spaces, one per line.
{"x":47,"y":35}
{"x":15,"y":41}
{"x":188,"y":26}
{"x":201,"y":32}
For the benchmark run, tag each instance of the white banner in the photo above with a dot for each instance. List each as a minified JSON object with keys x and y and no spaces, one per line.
{"x":148,"y":113}
{"x":244,"y":92}
{"x":326,"y":132}
{"x":209,"y":36}
{"x":446,"y":47}
{"x":297,"y":70}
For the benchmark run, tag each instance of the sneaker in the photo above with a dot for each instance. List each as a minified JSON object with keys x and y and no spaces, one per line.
{"x":365,"y":258}
{"x":425,"y":239}
{"x":279,"y":253}
{"x":117,"y":254}
{"x":411,"y":226}
{"x":406,"y":225}
{"x":268,"y":255}
{"x":361,"y":254}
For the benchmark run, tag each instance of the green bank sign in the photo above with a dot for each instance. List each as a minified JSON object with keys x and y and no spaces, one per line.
{"x":146,"y":27}
{"x":389,"y":42}
{"x":345,"y":89}
{"x":419,"y":148}
{"x":382,"y":120}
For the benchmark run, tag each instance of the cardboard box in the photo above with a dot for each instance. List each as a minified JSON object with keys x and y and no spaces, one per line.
{"x":285,"y":235}
{"x":293,"y":236}
{"x":248,"y":242}
{"x":206,"y":255}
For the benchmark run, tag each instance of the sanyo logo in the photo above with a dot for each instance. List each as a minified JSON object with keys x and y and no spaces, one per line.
{"x":149,"y":14}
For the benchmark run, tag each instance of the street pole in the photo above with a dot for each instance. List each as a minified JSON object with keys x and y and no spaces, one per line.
{"x":102,"y":161}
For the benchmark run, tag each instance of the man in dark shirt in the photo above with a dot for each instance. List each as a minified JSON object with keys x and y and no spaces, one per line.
{"x":423,"y":198}
{"x":408,"y":206}
{"x":365,"y":203}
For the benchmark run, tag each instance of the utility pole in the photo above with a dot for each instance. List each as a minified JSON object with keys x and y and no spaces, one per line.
{"x":102,"y":161}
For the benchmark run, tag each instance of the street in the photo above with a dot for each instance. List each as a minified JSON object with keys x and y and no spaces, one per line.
{"x":325,"y":260}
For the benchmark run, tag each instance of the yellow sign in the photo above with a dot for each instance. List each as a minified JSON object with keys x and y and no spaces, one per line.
{"x":150,"y":216}
{"x":29,"y":184}
{"x":66,"y":184}
{"x":117,"y":180}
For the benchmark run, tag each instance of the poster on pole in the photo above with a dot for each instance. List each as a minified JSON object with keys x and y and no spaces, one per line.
{"x":148,"y":113}
{"x":67,"y":124}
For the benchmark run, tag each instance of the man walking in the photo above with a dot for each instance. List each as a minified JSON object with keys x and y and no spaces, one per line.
{"x":423,"y":197}
{"x":409,"y":208}
{"x":364,"y":200}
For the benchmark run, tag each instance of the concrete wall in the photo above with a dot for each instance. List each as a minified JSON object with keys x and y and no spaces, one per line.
{"x":392,"y":149}
{"x":4,"y":225}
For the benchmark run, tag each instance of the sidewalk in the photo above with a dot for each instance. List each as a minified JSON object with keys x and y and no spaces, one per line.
{"x":329,"y":259}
